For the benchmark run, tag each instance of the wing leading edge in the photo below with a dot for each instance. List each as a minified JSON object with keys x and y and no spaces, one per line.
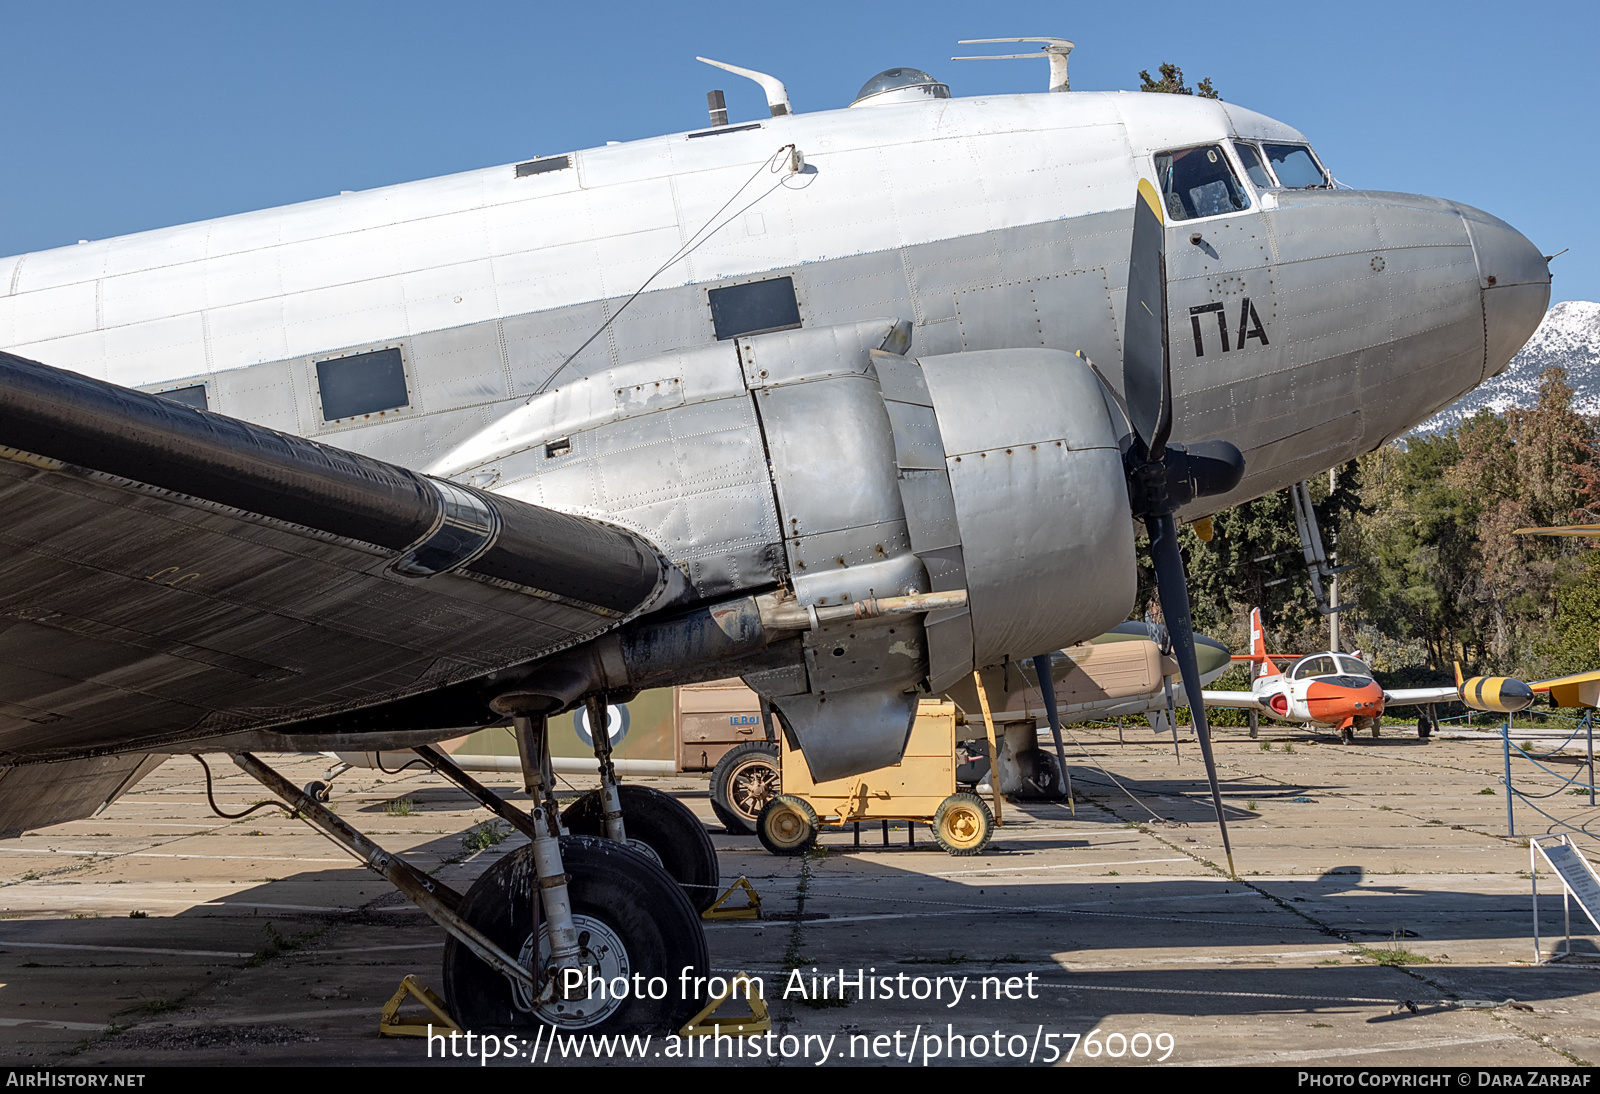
{"x":172,"y":575}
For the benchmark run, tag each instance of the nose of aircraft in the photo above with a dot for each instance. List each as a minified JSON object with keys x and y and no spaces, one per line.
{"x":1515,"y":280}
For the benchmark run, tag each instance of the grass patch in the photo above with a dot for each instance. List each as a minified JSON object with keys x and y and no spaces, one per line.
{"x":277,"y":944}
{"x":401,"y":807}
{"x":1393,"y":954}
{"x":484,"y":836}
{"x":161,"y":1004}
{"x":1266,"y":746}
{"x":1112,"y":873}
{"x":1489,"y":790}
{"x":1250,"y":805}
{"x":138,"y":915}
{"x":1288,"y":747}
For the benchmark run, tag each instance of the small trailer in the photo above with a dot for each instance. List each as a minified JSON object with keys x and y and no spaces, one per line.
{"x":920,"y":788}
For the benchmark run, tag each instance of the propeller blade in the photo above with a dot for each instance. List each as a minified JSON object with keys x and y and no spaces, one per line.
{"x":1146,"y":373}
{"x":1047,"y":691}
{"x":1172,"y":584}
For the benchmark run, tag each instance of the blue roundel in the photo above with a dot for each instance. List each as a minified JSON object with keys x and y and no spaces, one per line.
{"x":616,"y":724}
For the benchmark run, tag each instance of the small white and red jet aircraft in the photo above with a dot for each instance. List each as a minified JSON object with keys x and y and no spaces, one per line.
{"x":1334,"y":690}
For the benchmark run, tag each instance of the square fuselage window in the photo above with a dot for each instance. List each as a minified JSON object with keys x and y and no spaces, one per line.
{"x":364,"y":383}
{"x":194,"y":395}
{"x":755,"y":308}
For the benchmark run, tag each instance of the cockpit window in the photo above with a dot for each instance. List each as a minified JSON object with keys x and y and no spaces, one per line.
{"x":1295,"y":166}
{"x":1197,"y":182}
{"x":1351,"y":667}
{"x":1316,"y":666}
{"x":1251,"y":158}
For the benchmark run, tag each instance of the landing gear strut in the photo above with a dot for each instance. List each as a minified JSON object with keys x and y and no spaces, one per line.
{"x":658,"y":826}
{"x":571,"y":931}
{"x":581,"y":911}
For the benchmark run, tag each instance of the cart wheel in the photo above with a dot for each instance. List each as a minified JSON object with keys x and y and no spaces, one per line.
{"x":745,"y":780}
{"x":787,"y":825}
{"x":1424,"y":728}
{"x":963,"y":824}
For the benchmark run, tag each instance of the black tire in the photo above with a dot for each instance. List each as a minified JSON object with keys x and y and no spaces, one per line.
{"x":612,"y":889}
{"x":787,"y":826}
{"x":667,"y":827}
{"x":746,"y":778}
{"x":963,"y":824}
{"x":1424,"y":728}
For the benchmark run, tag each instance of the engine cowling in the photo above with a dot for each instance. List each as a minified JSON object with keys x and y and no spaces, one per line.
{"x":824,"y":464}
{"x":1014,"y":490}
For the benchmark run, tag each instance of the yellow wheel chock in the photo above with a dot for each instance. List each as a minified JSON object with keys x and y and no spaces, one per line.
{"x":751,"y":909}
{"x":390,"y":1024}
{"x":757,"y":1021}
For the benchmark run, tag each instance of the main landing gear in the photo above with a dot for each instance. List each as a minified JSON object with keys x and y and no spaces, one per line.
{"x":654,"y":824}
{"x":582,"y":930}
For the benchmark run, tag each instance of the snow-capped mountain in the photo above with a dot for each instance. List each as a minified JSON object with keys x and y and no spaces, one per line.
{"x":1569,"y":338}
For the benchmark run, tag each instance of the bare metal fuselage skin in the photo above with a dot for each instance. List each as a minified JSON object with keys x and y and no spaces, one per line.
{"x":1306,"y":328}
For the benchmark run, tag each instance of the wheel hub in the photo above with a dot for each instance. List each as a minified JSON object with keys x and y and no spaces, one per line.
{"x":961,"y":826}
{"x":789,"y":826}
{"x":754,"y":785}
{"x":603,"y":958}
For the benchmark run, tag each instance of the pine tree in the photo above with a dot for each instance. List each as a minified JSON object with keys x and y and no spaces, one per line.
{"x":1171,"y":83}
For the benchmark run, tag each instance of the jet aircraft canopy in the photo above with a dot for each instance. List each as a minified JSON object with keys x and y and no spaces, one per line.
{"x":1328,"y":664}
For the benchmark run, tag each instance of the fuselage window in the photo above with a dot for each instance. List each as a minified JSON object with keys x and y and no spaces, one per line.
{"x":1253,"y":166}
{"x":1295,"y":166}
{"x":1197,"y":182}
{"x":194,"y":395}
{"x":755,"y":308}
{"x":363,"y":383}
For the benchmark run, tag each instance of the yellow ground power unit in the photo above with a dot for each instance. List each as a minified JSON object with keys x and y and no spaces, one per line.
{"x":921,"y":787}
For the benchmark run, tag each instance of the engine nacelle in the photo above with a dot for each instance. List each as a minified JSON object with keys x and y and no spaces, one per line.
{"x":1014,"y":490}
{"x":823,"y":464}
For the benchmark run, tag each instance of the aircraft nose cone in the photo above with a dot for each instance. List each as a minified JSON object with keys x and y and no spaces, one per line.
{"x":1515,"y":279}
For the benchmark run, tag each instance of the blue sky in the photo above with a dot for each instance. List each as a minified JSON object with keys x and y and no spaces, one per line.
{"x":122,"y":117}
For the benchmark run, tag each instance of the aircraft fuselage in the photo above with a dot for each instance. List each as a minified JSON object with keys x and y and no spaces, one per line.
{"x":1308,"y":327}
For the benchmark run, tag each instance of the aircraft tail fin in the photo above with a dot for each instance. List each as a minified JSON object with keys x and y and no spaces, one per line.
{"x":1258,"y":648}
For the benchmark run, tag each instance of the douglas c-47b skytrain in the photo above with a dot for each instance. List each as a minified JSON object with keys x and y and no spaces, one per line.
{"x":852,"y":404}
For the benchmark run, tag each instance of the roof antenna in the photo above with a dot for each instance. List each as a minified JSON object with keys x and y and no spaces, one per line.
{"x":1056,"y":49}
{"x":777,"y":94}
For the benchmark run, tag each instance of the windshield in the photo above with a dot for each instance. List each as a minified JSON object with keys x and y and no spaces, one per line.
{"x":1251,"y":158}
{"x":1197,"y":182}
{"x":1352,"y":667}
{"x":1295,"y":166}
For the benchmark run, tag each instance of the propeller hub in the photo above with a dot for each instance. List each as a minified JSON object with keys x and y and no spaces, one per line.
{"x":1183,"y":473}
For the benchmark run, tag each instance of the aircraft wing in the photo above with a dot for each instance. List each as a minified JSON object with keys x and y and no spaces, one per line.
{"x":1579,"y":690}
{"x":1239,"y":700}
{"x":1412,"y":697}
{"x":175,"y":578}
